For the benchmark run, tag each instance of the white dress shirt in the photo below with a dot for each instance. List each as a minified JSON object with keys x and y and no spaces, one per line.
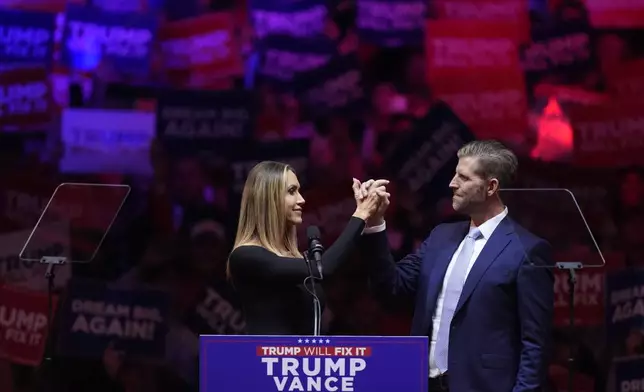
{"x":487,"y":228}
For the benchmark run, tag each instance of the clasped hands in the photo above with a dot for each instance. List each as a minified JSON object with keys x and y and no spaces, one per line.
{"x":372,"y":200}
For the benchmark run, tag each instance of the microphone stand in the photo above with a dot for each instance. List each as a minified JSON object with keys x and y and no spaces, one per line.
{"x":571,"y":267}
{"x":316,"y":301}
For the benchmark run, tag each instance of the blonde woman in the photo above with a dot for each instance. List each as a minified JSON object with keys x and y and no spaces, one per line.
{"x":265,"y":265}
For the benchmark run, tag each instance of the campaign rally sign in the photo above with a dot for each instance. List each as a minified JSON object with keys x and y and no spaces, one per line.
{"x":458,"y":47}
{"x":624,"y":302}
{"x":608,"y":134}
{"x":283,"y":58}
{"x":204,"y":116}
{"x":615,"y":14}
{"x":310,"y":363}
{"x":391,"y":23}
{"x":589,"y":297}
{"x":92,"y":36}
{"x":558,"y":50}
{"x":121,"y":5}
{"x":485,"y":10}
{"x":217,"y":312}
{"x":334,"y":87}
{"x":205,"y":45}
{"x":23,"y":325}
{"x":244,"y":158}
{"x":425,"y":160}
{"x":106,"y":141}
{"x":295,"y":18}
{"x":27,"y":272}
{"x":25,"y":98}
{"x":629,"y":374}
{"x":26,"y":37}
{"x":493,"y":105}
{"x":94,"y":316}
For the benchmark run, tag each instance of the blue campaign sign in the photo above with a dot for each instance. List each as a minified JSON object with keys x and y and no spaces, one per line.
{"x":392,"y":23}
{"x":293,"y":18}
{"x":198,"y":117}
{"x":26,"y":37}
{"x":305,"y":363}
{"x":629,"y":374}
{"x":94,"y":316}
{"x":624,"y":302}
{"x":336,"y":87}
{"x":283,"y":58}
{"x":93,"y":35}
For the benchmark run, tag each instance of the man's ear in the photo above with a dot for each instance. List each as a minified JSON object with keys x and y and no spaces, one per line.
{"x":492,"y":186}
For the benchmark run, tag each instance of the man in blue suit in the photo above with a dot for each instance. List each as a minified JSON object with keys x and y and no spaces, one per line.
{"x":482,"y":289}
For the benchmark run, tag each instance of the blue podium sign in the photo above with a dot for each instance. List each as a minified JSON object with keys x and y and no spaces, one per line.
{"x":313,"y":363}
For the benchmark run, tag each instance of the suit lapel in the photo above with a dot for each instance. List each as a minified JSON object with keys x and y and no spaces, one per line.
{"x":437,"y":274}
{"x":493,"y":247}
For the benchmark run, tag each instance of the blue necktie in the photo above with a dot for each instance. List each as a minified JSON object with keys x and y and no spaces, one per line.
{"x":452,"y":294}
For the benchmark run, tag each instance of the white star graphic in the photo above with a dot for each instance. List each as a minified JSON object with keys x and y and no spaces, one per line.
{"x":306,"y":340}
{"x":313,"y":341}
{"x":321,"y":341}
{"x":299,"y":340}
{"x":328,"y":341}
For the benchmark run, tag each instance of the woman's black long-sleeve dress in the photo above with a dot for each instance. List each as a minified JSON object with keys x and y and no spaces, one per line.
{"x":271,"y":288}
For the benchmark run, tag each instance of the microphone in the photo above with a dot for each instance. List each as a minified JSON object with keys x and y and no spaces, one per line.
{"x":315,"y":246}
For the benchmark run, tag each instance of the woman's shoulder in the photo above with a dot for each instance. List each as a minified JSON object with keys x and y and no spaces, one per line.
{"x":249,"y":251}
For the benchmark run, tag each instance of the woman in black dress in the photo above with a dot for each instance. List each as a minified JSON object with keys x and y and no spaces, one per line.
{"x":265,"y":266}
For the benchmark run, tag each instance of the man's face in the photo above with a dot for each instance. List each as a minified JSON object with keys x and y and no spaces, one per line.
{"x":468,"y":187}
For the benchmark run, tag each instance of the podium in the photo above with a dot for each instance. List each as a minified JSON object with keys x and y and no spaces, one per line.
{"x":244,"y":363}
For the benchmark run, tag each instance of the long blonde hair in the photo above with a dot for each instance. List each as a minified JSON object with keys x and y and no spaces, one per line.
{"x":262,"y":215}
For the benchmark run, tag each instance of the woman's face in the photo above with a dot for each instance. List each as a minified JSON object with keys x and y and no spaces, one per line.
{"x":293,"y":200}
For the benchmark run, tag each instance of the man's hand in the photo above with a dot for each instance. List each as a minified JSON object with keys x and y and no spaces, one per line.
{"x":361,"y":191}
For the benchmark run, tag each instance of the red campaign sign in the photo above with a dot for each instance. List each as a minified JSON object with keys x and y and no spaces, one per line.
{"x":25,"y":97}
{"x":589,"y":297}
{"x":487,"y":11}
{"x":493,"y":104}
{"x":459,"y":47}
{"x":608,"y":135}
{"x":23,"y":325}
{"x":204,"y":45}
{"x":623,"y":14}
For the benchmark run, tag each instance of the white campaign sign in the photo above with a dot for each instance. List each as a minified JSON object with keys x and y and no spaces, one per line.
{"x":107,"y":141}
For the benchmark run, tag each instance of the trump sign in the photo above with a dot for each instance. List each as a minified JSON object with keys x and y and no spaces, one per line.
{"x":323,"y":363}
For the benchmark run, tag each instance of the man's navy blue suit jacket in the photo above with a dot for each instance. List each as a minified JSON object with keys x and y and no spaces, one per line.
{"x":502,"y":324}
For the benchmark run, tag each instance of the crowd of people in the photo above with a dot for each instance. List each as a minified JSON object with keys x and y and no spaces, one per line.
{"x":176,"y":229}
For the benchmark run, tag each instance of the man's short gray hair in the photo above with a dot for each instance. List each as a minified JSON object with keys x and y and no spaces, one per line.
{"x":495,"y":160}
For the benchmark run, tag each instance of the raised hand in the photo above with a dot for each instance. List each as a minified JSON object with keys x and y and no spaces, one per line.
{"x":369,"y":205}
{"x":373,"y":186}
{"x":362,"y":192}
